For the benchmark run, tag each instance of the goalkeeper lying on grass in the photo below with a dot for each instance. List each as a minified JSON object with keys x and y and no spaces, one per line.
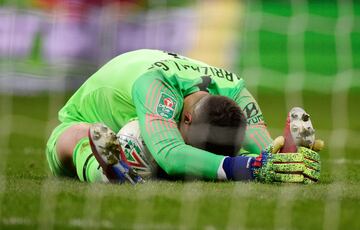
{"x":194,"y":119}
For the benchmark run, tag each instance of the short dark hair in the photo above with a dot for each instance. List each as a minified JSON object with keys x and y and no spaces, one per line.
{"x":218,"y":125}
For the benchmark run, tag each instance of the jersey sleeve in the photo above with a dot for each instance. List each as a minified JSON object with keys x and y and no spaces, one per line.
{"x":257,"y":137}
{"x":158,"y":106}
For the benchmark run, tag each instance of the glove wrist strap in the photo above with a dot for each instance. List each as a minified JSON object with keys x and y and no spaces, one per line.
{"x":239,"y":168}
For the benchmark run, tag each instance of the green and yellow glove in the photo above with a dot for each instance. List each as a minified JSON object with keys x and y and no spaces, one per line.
{"x":279,"y":167}
{"x":267,"y":167}
{"x":311,"y":158}
{"x":312,"y":165}
{"x":271,"y":166}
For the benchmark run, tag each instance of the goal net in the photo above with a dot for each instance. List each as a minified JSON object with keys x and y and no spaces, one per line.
{"x":308,"y":52}
{"x":290,"y":53}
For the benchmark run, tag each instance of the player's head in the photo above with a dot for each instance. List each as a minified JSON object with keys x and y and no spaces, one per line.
{"x":213,"y":123}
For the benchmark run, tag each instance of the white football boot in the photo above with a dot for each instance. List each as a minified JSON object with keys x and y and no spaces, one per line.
{"x":107,"y":150}
{"x":298,"y":131}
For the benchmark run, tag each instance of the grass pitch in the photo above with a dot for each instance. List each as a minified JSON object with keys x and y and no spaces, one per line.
{"x":33,"y":199}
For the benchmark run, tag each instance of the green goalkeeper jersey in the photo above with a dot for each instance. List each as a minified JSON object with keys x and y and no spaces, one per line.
{"x":151,"y":85}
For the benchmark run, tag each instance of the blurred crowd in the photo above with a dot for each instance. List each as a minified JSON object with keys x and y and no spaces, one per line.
{"x":92,"y":31}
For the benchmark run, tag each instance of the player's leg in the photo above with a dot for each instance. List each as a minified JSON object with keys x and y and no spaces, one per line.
{"x":69,"y":153}
{"x":56,"y":166}
{"x":75,"y":153}
{"x":87,"y":151}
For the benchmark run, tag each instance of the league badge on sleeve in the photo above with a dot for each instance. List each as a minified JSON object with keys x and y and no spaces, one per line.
{"x":166,"y":106}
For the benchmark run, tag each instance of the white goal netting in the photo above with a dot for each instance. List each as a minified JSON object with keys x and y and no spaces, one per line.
{"x":286,"y":51}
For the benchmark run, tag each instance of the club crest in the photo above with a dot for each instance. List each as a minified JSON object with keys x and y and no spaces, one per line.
{"x":166,"y":106}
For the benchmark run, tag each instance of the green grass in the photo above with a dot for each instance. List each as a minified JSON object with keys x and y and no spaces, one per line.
{"x":31,"y":198}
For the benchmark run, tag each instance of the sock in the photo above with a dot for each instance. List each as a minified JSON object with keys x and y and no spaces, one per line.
{"x":87,"y":167}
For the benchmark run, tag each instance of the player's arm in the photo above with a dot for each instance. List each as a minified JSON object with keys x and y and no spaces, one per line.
{"x":160,"y":131}
{"x":257,"y":137}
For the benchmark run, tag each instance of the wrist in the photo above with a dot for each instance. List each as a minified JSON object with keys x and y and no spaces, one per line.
{"x":257,"y":165}
{"x":238,"y":168}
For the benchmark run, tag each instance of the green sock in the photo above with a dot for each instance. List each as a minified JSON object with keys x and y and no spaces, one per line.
{"x":87,"y":167}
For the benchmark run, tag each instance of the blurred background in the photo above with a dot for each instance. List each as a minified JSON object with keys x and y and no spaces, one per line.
{"x":290,"y":53}
{"x":43,"y":42}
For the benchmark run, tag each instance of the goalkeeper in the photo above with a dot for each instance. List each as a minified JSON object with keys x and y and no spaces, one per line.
{"x":194,"y":119}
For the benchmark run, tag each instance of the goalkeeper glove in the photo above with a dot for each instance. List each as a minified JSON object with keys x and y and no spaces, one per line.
{"x":267,"y":167}
{"x":279,"y":167}
{"x":312,"y":165}
{"x":311,"y":158}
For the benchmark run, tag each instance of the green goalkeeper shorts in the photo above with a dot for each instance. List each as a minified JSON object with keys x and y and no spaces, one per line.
{"x":55,"y":165}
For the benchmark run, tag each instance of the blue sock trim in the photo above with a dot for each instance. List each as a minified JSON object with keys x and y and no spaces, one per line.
{"x":119,"y":174}
{"x":238,"y":168}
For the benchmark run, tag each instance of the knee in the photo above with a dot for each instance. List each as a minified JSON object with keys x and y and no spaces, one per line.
{"x":69,"y":139}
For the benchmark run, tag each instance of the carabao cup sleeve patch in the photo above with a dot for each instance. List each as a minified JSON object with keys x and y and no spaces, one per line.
{"x":166,"y":106}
